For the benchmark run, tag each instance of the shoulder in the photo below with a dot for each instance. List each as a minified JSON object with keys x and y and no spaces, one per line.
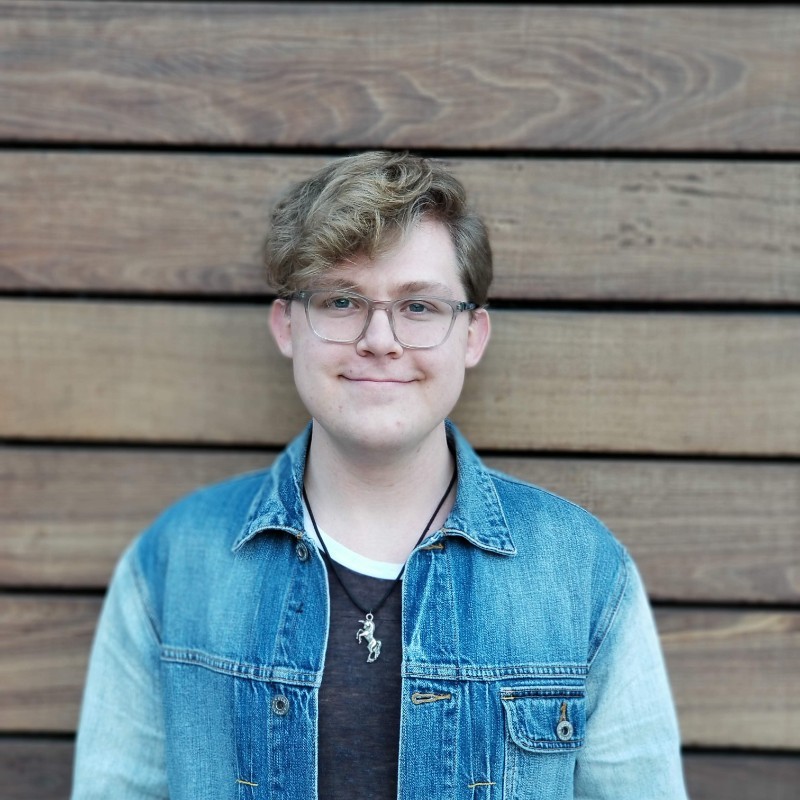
{"x":220,"y":505}
{"x":571,"y":553}
{"x":535,"y":520}
{"x":555,"y":531}
{"x":204,"y":522}
{"x":546,"y":511}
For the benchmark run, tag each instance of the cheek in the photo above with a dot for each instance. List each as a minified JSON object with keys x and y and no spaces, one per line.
{"x":310,"y":390}
{"x":315,"y":366}
{"x":446,"y":374}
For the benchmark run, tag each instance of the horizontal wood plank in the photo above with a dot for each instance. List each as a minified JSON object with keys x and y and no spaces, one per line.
{"x":46,"y":643}
{"x":35,"y":767}
{"x":672,"y":383}
{"x":67,"y":514}
{"x":733,"y":673}
{"x":42,"y":768}
{"x":734,"y":676}
{"x":741,"y":776}
{"x":700,"y":532}
{"x":476,"y":76}
{"x":574,"y":229}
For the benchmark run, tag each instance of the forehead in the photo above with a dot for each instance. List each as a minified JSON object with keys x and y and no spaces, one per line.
{"x":423,"y":262}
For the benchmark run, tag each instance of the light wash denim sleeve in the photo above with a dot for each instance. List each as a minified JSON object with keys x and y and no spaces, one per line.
{"x":632,"y":749}
{"x":120,"y":745}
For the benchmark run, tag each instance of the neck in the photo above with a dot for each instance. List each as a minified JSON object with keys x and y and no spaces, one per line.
{"x":377,"y":504}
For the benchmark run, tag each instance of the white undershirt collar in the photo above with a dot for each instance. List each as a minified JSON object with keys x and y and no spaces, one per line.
{"x":348,"y":558}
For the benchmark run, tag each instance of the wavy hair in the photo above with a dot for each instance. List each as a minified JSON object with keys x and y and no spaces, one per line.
{"x":363,"y":205}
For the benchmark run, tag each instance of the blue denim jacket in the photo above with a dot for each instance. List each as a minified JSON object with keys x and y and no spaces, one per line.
{"x":531,"y":667}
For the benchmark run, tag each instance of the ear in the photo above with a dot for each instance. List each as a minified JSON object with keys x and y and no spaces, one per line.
{"x":280,"y":324}
{"x":480,"y":330}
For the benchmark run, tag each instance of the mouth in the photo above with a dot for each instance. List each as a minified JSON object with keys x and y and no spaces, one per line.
{"x":377,"y":381}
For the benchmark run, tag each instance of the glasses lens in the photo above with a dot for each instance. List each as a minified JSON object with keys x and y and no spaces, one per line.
{"x":422,"y":321}
{"x":337,"y":316}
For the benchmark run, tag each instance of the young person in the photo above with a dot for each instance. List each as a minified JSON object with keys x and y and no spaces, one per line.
{"x":377,"y":615}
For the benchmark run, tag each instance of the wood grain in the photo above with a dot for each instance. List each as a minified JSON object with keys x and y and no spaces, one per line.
{"x":35,"y":767}
{"x":42,"y":768}
{"x":734,"y":675}
{"x":699,"y":531}
{"x":91,"y":384}
{"x":674,"y":383}
{"x":67,"y":514}
{"x":738,"y":776}
{"x":46,"y":642}
{"x":596,"y":230}
{"x":448,"y":76}
{"x":732,"y":672}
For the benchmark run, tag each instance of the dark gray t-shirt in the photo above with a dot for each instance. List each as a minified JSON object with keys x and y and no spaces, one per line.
{"x":359,"y":706}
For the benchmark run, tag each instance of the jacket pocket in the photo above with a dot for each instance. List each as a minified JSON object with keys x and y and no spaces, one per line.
{"x":545,"y":728}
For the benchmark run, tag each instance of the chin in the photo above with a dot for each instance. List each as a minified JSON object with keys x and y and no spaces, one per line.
{"x":379,"y":432}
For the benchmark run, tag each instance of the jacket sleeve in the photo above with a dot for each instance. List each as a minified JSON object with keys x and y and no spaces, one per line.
{"x":120,"y":744}
{"x":632,"y":746}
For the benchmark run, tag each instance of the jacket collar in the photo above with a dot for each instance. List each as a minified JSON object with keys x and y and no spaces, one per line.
{"x":477,"y":515}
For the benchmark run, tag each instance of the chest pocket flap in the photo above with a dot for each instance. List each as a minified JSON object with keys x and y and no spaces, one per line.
{"x":545,"y":719}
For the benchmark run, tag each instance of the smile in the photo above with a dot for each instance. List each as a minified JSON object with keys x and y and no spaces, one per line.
{"x":378,"y":381}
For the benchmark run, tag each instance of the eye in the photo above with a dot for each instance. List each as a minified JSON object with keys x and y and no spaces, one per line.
{"x":338,"y":302}
{"x":417,"y":307}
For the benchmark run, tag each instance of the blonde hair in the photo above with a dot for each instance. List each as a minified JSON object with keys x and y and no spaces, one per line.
{"x":363,"y":205}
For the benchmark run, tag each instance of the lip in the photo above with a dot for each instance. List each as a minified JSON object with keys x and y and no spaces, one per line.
{"x":388,"y":381}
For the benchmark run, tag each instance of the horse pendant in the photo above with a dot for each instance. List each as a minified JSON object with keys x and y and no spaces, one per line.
{"x":367,"y":634}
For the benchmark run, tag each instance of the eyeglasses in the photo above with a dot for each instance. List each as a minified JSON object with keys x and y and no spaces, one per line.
{"x":417,"y":323}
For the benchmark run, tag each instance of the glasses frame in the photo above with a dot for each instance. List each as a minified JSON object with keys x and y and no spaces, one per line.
{"x":388,"y":306}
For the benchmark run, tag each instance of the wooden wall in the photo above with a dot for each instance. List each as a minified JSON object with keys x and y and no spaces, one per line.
{"x":640,"y":171}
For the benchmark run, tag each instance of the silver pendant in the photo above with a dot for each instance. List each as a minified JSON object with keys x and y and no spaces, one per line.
{"x":367,"y":634}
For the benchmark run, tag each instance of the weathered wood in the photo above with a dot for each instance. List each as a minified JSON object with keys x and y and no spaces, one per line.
{"x":492,"y":76}
{"x":139,"y":223}
{"x":735,"y":676}
{"x":733,"y":673}
{"x":40,"y":768}
{"x":677,"y":383}
{"x":67,"y":514}
{"x":585,"y":229}
{"x":701,"y":532}
{"x":741,"y":776}
{"x":46,"y":641}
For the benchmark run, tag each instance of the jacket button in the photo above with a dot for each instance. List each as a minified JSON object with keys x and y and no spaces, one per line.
{"x":302,"y":551}
{"x":564,"y":730}
{"x":280,"y":705}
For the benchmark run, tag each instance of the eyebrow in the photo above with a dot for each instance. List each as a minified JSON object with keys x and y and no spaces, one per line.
{"x":337,"y":283}
{"x":434,"y":288}
{"x":425,"y":287}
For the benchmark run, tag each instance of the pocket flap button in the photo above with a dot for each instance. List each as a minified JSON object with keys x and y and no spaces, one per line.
{"x":564,"y":730}
{"x":564,"y":727}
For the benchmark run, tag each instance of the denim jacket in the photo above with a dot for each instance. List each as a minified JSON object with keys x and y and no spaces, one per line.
{"x":531,"y":666}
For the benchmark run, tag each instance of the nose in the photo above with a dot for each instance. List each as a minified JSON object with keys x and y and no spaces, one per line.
{"x":378,"y":338}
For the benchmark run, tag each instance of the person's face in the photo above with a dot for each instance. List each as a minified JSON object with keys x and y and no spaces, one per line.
{"x":374,"y":393}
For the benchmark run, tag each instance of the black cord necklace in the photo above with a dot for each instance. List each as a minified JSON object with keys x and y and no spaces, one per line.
{"x":367,"y":633}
